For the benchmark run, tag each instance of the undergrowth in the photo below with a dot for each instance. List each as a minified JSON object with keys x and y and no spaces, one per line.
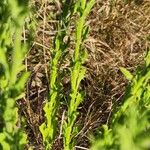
{"x":130,"y":126}
{"x":49,"y":127}
{"x":12,"y":72}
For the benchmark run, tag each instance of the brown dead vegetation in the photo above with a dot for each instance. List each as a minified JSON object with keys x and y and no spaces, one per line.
{"x":118,"y":37}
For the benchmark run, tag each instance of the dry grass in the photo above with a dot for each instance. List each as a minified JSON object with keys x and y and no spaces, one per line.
{"x":118,"y":37}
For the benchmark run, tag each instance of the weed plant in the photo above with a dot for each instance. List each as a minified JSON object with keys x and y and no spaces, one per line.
{"x":83,"y":8}
{"x":12,"y":74}
{"x":130,"y":128}
{"x":49,"y":127}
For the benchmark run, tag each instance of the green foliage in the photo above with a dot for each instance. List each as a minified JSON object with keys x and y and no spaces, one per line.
{"x":130,"y":128}
{"x":126,"y":73}
{"x":12,"y":74}
{"x":49,"y":127}
{"x":77,"y":73}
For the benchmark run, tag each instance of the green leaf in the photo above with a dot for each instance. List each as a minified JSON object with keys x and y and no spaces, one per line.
{"x":85,"y":32}
{"x":126,"y":73}
{"x":147,"y":58}
{"x":3,"y":143}
{"x":22,"y":80}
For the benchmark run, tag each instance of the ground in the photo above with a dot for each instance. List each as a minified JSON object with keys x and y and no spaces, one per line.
{"x":119,"y":36}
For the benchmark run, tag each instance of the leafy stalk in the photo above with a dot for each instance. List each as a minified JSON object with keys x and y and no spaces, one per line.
{"x":77,"y":72}
{"x":12,"y":53}
{"x":49,"y":127}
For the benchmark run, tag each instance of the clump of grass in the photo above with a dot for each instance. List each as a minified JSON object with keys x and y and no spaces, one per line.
{"x":12,"y":74}
{"x":130,"y":128}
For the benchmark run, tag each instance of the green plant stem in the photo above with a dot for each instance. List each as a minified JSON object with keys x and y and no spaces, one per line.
{"x":49,"y":127}
{"x":77,"y":74}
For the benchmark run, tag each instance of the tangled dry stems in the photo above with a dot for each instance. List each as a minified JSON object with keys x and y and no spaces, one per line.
{"x":118,"y":37}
